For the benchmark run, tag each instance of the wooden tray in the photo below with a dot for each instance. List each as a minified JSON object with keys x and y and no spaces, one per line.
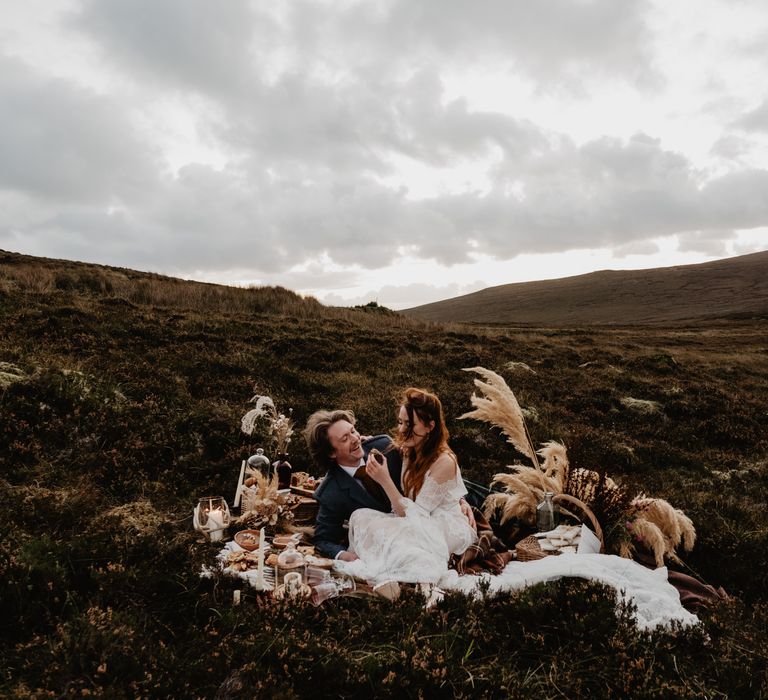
{"x":301,"y":491}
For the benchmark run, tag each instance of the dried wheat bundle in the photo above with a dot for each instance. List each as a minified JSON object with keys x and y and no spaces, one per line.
{"x":265,"y":408}
{"x":264,"y":505}
{"x":280,"y":425}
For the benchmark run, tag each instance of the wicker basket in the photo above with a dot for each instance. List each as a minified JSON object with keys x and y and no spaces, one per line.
{"x":306,"y":511}
{"x":528,"y":549}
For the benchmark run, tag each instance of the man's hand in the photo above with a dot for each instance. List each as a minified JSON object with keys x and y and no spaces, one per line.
{"x":347,"y":556}
{"x":467,"y":510}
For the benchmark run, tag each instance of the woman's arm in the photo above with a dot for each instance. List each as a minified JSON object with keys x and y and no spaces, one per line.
{"x":379,"y":472}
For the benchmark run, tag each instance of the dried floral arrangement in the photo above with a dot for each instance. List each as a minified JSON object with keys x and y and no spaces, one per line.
{"x":626,"y":520}
{"x":263,"y":505}
{"x":280,"y":425}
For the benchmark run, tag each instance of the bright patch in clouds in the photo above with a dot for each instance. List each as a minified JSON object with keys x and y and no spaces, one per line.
{"x":393,"y":151}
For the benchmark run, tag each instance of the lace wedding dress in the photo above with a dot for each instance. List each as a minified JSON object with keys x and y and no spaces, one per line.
{"x":415,"y":547}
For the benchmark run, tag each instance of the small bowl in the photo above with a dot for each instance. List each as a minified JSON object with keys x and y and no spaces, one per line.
{"x":249,"y":540}
{"x":282,"y":541}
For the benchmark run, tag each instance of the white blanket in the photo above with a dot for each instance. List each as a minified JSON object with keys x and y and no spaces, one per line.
{"x":657,"y":601}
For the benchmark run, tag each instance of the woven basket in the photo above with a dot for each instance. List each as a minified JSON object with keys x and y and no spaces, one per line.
{"x":528,"y":549}
{"x":306,"y":511}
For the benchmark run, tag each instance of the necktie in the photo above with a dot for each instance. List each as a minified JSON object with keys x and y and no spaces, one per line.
{"x":371,"y":486}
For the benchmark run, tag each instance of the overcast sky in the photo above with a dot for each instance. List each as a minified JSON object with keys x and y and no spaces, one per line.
{"x":392,"y":150}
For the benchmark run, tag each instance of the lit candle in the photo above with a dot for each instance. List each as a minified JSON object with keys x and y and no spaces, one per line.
{"x":260,"y":569}
{"x":216,"y":524}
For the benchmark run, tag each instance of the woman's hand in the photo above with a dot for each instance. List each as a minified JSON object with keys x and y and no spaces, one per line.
{"x":378,"y":470}
{"x":466,"y":509}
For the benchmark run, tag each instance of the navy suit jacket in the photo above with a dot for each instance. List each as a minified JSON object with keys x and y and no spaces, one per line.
{"x":340,"y":494}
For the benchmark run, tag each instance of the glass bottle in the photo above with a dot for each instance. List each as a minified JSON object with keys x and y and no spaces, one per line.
{"x":546,"y":513}
{"x":284,"y":470}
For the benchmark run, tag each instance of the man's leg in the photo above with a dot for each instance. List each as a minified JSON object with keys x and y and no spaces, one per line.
{"x":476,"y":494}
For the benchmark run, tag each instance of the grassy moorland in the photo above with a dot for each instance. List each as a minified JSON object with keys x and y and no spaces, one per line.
{"x":734,"y":288}
{"x":120,"y":400}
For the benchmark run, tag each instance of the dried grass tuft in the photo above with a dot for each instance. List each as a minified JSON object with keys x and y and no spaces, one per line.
{"x":644,"y":406}
{"x":687,"y":529}
{"x":514,"y":366}
{"x":514,"y":484}
{"x":9,"y":374}
{"x":664,"y":516}
{"x":140,"y":517}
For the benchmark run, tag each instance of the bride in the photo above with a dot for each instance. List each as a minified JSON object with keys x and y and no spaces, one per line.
{"x":414,"y":542}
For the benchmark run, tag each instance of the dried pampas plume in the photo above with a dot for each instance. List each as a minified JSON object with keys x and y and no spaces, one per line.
{"x":650,"y":521}
{"x":499,"y":407}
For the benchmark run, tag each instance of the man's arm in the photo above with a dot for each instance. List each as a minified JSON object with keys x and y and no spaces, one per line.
{"x":329,"y":531}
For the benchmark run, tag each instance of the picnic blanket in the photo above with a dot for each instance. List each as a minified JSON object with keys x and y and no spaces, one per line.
{"x":489,"y":553}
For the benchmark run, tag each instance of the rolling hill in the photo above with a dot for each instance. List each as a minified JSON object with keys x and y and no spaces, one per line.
{"x":729,"y":289}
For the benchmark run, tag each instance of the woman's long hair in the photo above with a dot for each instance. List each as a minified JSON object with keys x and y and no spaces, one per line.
{"x":427,"y":407}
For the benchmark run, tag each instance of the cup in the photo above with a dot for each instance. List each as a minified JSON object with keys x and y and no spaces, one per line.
{"x":292,"y":583}
{"x":331,"y":588}
{"x":317,"y":575}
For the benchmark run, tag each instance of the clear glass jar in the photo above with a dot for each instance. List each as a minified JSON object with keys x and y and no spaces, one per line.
{"x":259,"y":461}
{"x":546,"y":513}
{"x":290,"y":559}
{"x":211,"y":517}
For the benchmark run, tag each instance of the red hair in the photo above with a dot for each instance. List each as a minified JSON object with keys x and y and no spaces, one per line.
{"x":428,"y":408}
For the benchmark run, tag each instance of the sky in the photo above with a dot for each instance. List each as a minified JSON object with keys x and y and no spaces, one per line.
{"x":397,"y":151}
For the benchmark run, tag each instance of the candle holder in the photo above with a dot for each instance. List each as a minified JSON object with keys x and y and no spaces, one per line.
{"x":211,"y":517}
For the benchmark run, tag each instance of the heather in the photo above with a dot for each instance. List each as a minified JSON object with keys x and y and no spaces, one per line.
{"x":121,"y":398}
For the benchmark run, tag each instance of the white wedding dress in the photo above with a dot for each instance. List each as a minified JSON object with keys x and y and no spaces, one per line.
{"x":415,"y":547}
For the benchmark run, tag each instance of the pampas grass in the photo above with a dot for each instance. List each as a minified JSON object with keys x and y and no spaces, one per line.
{"x":499,"y":407}
{"x":280,"y":425}
{"x":652,"y":521}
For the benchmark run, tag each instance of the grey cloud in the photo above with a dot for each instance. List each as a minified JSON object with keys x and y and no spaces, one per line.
{"x":549,"y":41}
{"x":65,"y":142}
{"x":731,"y":147}
{"x":315,"y":104}
{"x":756,"y":119}
{"x":193,"y":44}
{"x":605,"y":193}
{"x":710,"y":242}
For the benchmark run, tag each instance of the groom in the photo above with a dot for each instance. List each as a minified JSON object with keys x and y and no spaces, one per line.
{"x":335,"y":444}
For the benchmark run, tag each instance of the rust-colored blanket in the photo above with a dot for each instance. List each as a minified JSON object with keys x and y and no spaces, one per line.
{"x":489,"y":553}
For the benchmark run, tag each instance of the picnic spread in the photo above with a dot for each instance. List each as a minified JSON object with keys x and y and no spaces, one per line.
{"x":488,"y":567}
{"x":543,"y":522}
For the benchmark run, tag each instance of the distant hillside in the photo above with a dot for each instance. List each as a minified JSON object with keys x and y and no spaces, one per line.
{"x":734,"y":288}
